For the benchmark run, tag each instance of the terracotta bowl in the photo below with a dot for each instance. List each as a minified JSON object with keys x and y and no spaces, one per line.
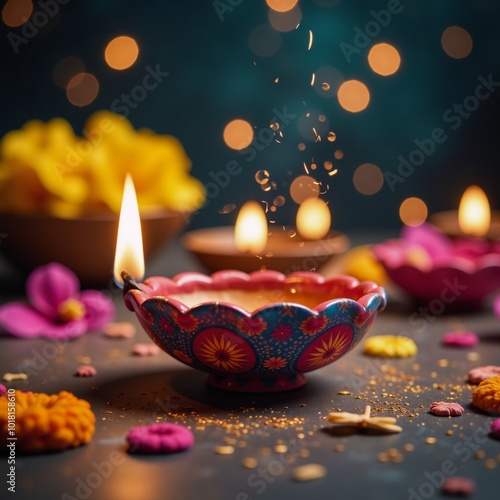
{"x":256,"y":332}
{"x":86,"y":245}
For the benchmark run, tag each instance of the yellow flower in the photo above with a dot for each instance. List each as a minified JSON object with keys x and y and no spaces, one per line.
{"x":44,"y":167}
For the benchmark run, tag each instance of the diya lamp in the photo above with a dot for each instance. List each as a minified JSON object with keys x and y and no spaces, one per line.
{"x":474,"y":218}
{"x":257,"y":332}
{"x":251,"y":245}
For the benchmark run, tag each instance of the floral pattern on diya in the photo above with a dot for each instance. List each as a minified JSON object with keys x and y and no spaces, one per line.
{"x":267,"y":349}
{"x":326,"y":348}
{"x":223,"y":350}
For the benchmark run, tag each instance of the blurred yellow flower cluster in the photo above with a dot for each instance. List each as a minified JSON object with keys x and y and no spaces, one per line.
{"x":45,"y":167}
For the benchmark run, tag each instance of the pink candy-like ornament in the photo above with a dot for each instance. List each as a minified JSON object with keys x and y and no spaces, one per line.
{"x":160,"y":438}
{"x":145,"y":349}
{"x":85,"y":371}
{"x":495,"y":428}
{"x":444,"y":409}
{"x":460,"y":339}
{"x":3,"y":389}
{"x":480,"y":373}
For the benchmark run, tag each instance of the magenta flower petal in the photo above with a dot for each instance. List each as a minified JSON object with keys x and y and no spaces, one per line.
{"x":23,"y":321}
{"x":496,"y":306}
{"x":100,"y":310}
{"x":47,"y":286}
{"x":426,"y":235}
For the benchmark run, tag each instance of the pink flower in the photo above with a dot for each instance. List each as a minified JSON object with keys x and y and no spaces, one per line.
{"x":58,"y":309}
{"x":275,"y":363}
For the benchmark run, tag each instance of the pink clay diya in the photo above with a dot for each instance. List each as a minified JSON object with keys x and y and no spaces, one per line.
{"x":430,"y":266}
{"x":256,"y":332}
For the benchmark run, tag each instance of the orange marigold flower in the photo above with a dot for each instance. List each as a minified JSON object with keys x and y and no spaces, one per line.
{"x":47,"y":422}
{"x":487,"y":395}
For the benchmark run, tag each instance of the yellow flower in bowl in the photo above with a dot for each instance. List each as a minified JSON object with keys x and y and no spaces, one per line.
{"x":60,"y":193}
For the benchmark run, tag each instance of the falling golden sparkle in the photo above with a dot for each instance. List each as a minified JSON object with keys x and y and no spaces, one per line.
{"x":413,"y":211}
{"x":82,"y":89}
{"x":281,"y":5}
{"x":456,"y":42}
{"x":121,"y":52}
{"x":384,"y":59}
{"x":304,"y":187}
{"x":368,"y":179}
{"x":16,"y":12}
{"x":310,"y":40}
{"x":313,"y":79}
{"x":353,"y":96}
{"x":238,"y":134}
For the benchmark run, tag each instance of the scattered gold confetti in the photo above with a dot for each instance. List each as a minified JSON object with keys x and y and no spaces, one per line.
{"x":344,"y":393}
{"x":308,"y":472}
{"x":339,"y":448}
{"x":473,"y":356}
{"x":408,"y":447}
{"x":430,"y":440}
{"x":250,"y":463}
{"x":281,"y":448}
{"x":224,"y":450}
{"x":490,"y":463}
{"x":480,"y":454}
{"x":313,"y":78}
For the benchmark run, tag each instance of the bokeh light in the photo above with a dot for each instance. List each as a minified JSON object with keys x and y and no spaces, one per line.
{"x":16,"y":12}
{"x":121,"y":52}
{"x":413,"y":212}
{"x":304,"y":187}
{"x":456,"y":42}
{"x":285,"y":21}
{"x":66,"y":69}
{"x":264,"y":41}
{"x":353,"y":96}
{"x":238,"y":134}
{"x":384,"y":59}
{"x":281,"y":5}
{"x":82,"y":89}
{"x":368,"y":179}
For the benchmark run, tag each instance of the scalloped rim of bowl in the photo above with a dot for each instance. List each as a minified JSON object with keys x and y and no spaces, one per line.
{"x":371,"y":295}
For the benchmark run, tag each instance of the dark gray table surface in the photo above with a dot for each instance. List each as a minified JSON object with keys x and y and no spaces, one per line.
{"x":128,"y":391}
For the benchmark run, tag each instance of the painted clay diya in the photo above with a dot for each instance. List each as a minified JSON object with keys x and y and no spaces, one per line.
{"x":257,"y":332}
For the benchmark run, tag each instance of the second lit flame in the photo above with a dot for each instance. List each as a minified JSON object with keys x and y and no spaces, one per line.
{"x":250,"y":232}
{"x":129,"y":255}
{"x":313,"y":219}
{"x":474,"y":212}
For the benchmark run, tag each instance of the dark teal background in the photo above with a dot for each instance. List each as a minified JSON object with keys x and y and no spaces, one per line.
{"x":215,"y":77}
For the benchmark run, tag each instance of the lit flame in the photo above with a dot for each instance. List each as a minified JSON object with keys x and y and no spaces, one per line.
{"x":474,"y":212}
{"x":313,"y":219}
{"x":250,"y":232}
{"x":129,"y":254}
